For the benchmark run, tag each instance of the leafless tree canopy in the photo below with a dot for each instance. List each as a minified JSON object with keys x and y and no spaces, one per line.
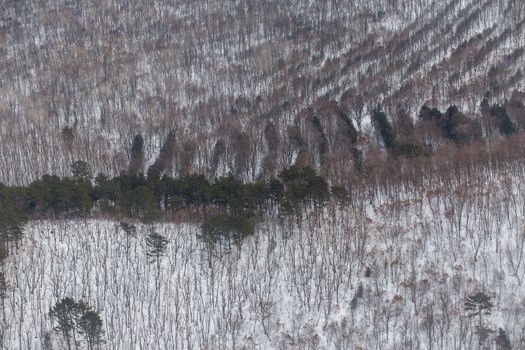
{"x":79,"y":79}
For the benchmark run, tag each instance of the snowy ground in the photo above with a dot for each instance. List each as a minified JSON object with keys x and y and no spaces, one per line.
{"x":291,"y":286}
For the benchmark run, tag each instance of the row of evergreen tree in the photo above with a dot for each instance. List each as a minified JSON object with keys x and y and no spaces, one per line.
{"x":451,"y":124}
{"x":151,"y":199}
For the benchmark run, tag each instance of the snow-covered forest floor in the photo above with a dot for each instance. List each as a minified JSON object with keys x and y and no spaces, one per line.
{"x":390,"y":270}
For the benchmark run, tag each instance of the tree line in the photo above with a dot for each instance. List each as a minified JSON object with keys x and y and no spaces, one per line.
{"x":133,"y":195}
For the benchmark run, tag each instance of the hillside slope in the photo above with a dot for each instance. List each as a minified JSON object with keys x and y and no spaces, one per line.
{"x":381,"y":274}
{"x":247,"y":88}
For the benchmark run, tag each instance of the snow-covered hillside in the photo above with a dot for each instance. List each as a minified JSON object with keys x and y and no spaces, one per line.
{"x":413,"y":111}
{"x":224,"y":72}
{"x":389,"y":273}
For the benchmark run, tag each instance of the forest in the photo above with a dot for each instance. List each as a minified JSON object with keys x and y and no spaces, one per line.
{"x":362,"y":262}
{"x":227,"y":206}
{"x":429,"y":258}
{"x":263,"y":174}
{"x":240,"y":84}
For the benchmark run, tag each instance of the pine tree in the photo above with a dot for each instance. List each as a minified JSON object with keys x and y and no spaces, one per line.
{"x":3,"y":285}
{"x":506,"y":125}
{"x":136,"y":163}
{"x":66,"y":314}
{"x":90,"y":326}
{"x":478,"y":304}
{"x":81,"y":171}
{"x":79,"y":189}
{"x":385,"y":128}
{"x":156,"y":244}
{"x":70,"y":316}
{"x":227,"y":229}
{"x":68,"y":135}
{"x":502,"y":341}
{"x":129,"y":229}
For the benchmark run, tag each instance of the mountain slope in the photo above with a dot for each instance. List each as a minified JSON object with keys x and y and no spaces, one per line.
{"x":220,"y":73}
